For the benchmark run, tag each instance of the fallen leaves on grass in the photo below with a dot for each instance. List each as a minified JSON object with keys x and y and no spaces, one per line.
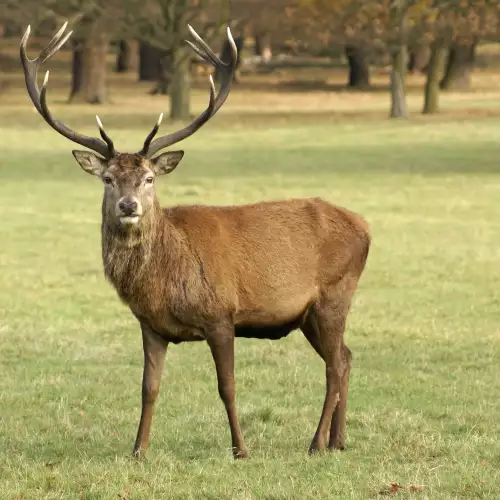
{"x":51,"y":465}
{"x":124,"y":495}
{"x":394,"y":488}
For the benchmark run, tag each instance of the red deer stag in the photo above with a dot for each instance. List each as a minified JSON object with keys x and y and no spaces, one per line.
{"x":215,"y":273}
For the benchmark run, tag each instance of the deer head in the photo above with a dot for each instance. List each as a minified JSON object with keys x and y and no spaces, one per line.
{"x":128,"y":178}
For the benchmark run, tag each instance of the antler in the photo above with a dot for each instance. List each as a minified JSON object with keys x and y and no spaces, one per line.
{"x":227,"y":72}
{"x":39,"y":97}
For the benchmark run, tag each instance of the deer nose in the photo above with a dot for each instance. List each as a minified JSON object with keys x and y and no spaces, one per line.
{"x":127,"y":207}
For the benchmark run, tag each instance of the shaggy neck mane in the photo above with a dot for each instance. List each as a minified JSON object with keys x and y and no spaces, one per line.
{"x":127,"y":254}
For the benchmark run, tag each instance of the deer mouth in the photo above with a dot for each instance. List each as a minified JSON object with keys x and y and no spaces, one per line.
{"x":129,"y":220}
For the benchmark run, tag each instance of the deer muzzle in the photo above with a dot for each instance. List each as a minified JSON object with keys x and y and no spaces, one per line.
{"x":128,"y":210}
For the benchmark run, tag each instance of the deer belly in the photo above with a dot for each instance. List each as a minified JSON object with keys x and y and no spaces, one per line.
{"x":274,"y":323}
{"x":271,"y":332}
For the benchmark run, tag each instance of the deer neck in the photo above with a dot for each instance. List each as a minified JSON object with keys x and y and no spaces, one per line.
{"x":127,"y":252}
{"x":142,"y":265}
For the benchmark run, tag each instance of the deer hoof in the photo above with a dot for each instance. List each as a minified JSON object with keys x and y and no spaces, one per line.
{"x":240,"y":454}
{"x":336,"y":447}
{"x":316,"y":447}
{"x":139,"y":454}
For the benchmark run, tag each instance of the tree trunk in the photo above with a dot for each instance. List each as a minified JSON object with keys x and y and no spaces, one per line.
{"x":434,"y":72}
{"x":128,"y":57}
{"x":76,"y":69}
{"x":149,"y":63}
{"x":180,"y":89}
{"x":359,"y":71}
{"x":263,"y":46}
{"x":226,"y":55}
{"x":95,"y":52}
{"x":418,"y":59}
{"x":459,"y":66}
{"x":399,"y":108}
{"x":89,"y":70}
{"x":166,"y":70}
{"x":122,"y":57}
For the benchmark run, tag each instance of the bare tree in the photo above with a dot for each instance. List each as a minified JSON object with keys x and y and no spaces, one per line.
{"x":89,"y":64}
{"x":460,"y":63}
{"x":91,"y":20}
{"x":264,"y":20}
{"x":467,"y":22}
{"x":454,"y":28}
{"x":346,"y":24}
{"x":434,"y":73}
{"x":359,"y":69}
{"x":128,"y":56}
{"x":418,"y":56}
{"x":149,"y":63}
{"x":397,"y":41}
{"x":362,"y":25}
{"x":98,"y":23}
{"x":162,"y":27}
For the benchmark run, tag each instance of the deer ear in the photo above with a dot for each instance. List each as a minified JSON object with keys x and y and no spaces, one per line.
{"x":90,"y":162}
{"x":166,"y":162}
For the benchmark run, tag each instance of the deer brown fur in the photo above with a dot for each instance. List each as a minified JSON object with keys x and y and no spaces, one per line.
{"x":193,"y":273}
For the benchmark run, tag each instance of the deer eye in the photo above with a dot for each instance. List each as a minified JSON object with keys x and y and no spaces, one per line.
{"x":149,"y":180}
{"x":107,"y":180}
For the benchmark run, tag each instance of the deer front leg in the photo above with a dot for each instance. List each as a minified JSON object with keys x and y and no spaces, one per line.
{"x":221,"y":342}
{"x":155,"y":349}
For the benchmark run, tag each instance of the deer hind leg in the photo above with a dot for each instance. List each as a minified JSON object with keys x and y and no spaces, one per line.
{"x":338,"y":427}
{"x":324,"y":329}
{"x":310,"y":333}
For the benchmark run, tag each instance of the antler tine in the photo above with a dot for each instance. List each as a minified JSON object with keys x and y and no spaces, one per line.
{"x":50,"y":51}
{"x":24,"y":41}
{"x":200,"y":52}
{"x":150,"y":137}
{"x":107,"y":139}
{"x":39,"y":97}
{"x":227,"y":73}
{"x":234,"y":49}
{"x":209,"y":52}
{"x":55,"y":40}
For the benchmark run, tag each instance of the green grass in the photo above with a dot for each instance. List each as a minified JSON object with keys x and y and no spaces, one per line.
{"x":424,"y":407}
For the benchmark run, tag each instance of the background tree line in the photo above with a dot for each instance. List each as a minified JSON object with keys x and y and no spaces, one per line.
{"x":435,"y":37}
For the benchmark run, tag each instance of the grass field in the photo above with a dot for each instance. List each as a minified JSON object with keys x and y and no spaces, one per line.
{"x":424,"y":407}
